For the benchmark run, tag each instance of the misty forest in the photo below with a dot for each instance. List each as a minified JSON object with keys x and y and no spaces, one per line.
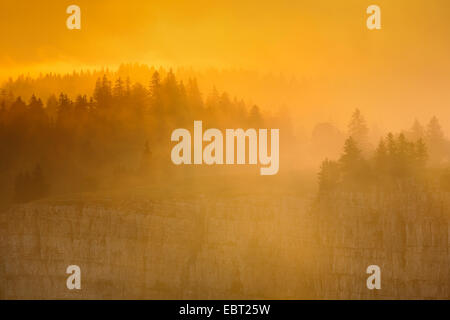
{"x":360,"y":199}
{"x":120,"y":132}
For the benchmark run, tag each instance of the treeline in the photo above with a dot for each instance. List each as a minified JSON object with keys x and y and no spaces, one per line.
{"x":412,"y":158}
{"x":270,"y":89}
{"x":121,"y":134}
{"x":121,"y":130}
{"x":395,"y":160}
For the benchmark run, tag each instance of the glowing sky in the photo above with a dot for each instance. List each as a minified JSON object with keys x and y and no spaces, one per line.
{"x":309,"y":36}
{"x":320,"y":39}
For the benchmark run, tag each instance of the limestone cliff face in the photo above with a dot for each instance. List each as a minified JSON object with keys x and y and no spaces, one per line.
{"x":406,"y":235}
{"x":152,"y":249}
{"x":245,"y":247}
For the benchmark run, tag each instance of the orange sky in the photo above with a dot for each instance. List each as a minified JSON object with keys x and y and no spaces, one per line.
{"x":295,"y":36}
{"x":405,"y":65}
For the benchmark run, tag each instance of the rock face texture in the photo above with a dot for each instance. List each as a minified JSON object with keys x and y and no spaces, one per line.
{"x":406,"y":235}
{"x":248,"y":247}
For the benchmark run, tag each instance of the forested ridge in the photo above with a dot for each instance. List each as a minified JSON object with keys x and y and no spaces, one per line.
{"x":119,"y":135}
{"x":101,"y":165}
{"x":122,"y":129}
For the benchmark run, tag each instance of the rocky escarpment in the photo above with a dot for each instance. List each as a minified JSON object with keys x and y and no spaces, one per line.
{"x":405,"y":234}
{"x":240,"y":247}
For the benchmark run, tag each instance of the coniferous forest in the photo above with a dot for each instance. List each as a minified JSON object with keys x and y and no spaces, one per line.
{"x":53,"y":143}
{"x":82,"y":143}
{"x":344,"y":198}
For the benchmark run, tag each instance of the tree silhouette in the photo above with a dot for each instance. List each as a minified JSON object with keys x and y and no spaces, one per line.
{"x":329,"y":176}
{"x":357,"y":129}
{"x":416,"y":132}
{"x":381,"y":158}
{"x":351,"y":156}
{"x":435,"y":141}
